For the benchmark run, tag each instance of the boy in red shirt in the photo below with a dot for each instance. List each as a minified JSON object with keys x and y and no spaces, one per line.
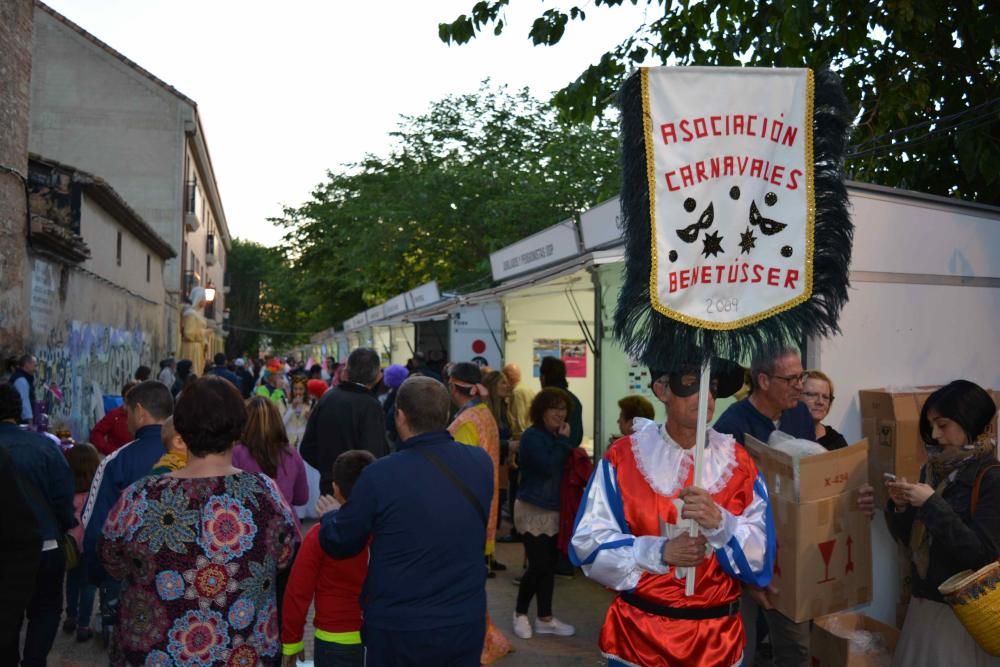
{"x":336,"y":585}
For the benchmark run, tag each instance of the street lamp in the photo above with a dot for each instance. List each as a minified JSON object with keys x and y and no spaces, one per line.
{"x":209,"y":293}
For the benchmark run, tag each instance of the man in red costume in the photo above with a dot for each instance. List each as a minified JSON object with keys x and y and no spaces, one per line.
{"x":632,"y":533}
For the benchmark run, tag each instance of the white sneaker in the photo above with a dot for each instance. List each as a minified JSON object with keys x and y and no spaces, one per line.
{"x":522,"y":626}
{"x":554,"y":627}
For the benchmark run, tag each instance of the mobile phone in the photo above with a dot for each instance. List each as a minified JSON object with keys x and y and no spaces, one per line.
{"x":889,"y":477}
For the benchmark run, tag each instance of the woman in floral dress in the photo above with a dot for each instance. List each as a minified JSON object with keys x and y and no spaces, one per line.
{"x":198,"y":549}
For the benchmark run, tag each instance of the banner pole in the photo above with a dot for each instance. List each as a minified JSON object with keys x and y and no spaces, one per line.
{"x":699,"y":456}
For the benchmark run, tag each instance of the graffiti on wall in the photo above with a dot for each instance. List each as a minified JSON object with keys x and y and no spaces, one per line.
{"x":82,"y":362}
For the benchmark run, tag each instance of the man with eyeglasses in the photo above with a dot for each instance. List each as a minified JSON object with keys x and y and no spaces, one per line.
{"x":774,"y":403}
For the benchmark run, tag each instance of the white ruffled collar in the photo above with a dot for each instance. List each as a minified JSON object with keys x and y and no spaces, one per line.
{"x":665,"y":465}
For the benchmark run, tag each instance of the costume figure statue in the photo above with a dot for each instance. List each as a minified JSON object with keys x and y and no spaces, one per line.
{"x":195,"y":333}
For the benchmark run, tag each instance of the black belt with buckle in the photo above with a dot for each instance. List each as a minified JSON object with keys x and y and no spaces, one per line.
{"x":685,"y":613}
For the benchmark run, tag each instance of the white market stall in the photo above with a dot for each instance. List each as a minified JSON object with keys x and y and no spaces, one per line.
{"x":400,"y":334}
{"x":924,"y":306}
{"x":377,"y":335}
{"x":353,"y":334}
{"x":415,"y":321}
{"x":476,"y":333}
{"x":341,"y":346}
{"x":546,"y":299}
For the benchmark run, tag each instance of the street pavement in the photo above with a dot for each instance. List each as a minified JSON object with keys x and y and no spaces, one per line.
{"x":577,"y":601}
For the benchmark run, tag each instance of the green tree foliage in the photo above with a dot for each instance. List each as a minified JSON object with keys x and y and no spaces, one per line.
{"x":266,"y":301}
{"x":475,"y":173}
{"x":243,"y":266}
{"x":929,"y":67}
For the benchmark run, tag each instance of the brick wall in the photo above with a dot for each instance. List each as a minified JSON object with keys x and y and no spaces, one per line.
{"x":15,"y":91}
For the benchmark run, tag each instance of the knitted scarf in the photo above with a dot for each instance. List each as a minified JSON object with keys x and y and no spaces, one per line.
{"x":942,"y":465}
{"x":169,"y":462}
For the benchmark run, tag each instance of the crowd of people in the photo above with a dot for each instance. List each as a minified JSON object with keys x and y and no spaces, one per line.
{"x":183,"y":515}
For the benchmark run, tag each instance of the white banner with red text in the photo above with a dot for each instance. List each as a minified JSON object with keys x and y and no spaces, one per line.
{"x":729,"y":160}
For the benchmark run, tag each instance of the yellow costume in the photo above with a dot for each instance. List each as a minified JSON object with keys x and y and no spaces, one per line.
{"x":474,"y":425}
{"x":195,"y":332}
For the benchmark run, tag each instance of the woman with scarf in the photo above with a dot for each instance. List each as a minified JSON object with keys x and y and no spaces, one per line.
{"x":936,"y":520}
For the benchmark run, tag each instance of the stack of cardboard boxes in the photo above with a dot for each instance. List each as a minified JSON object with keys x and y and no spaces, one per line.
{"x":824,"y":557}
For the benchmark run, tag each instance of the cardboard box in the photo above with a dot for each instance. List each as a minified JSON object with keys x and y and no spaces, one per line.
{"x":824,"y":558}
{"x":891,"y":423}
{"x":890,"y":420}
{"x":830,"y":644}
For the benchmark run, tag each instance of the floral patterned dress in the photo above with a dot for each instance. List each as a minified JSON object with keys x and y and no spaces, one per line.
{"x":197,"y":559}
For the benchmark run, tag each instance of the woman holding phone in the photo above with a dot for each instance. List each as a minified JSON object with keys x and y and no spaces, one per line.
{"x":950,"y":520}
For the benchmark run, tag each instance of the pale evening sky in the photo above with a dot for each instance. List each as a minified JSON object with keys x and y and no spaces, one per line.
{"x":289,"y":90}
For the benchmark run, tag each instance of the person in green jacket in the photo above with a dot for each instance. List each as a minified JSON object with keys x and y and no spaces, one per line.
{"x":272,"y":388}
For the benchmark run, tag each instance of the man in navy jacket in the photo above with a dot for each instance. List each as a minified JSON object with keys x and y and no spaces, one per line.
{"x":46,"y":486}
{"x":148,"y":404}
{"x":220,"y":369}
{"x":424,"y":598}
{"x":774,"y":403}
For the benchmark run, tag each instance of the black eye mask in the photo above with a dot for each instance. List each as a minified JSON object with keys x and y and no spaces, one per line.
{"x":688,"y":385}
{"x":727,"y":379}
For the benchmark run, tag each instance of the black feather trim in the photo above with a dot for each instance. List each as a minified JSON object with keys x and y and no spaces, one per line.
{"x":661,"y":342}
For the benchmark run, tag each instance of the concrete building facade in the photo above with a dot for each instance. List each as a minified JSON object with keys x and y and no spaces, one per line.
{"x":93,"y":108}
{"x":95,"y":292}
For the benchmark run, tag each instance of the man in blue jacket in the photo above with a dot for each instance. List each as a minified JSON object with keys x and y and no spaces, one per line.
{"x":222,"y":371}
{"x":46,"y":484}
{"x":774,"y":403}
{"x":148,"y":404}
{"x":424,"y":511}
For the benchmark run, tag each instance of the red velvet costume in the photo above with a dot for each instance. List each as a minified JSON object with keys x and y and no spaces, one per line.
{"x":631,"y":509}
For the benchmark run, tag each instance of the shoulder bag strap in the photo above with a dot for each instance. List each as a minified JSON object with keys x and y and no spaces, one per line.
{"x":979,"y":482}
{"x":454,"y":479}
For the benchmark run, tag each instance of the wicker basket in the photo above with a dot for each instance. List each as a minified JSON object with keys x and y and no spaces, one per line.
{"x":975,"y":599}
